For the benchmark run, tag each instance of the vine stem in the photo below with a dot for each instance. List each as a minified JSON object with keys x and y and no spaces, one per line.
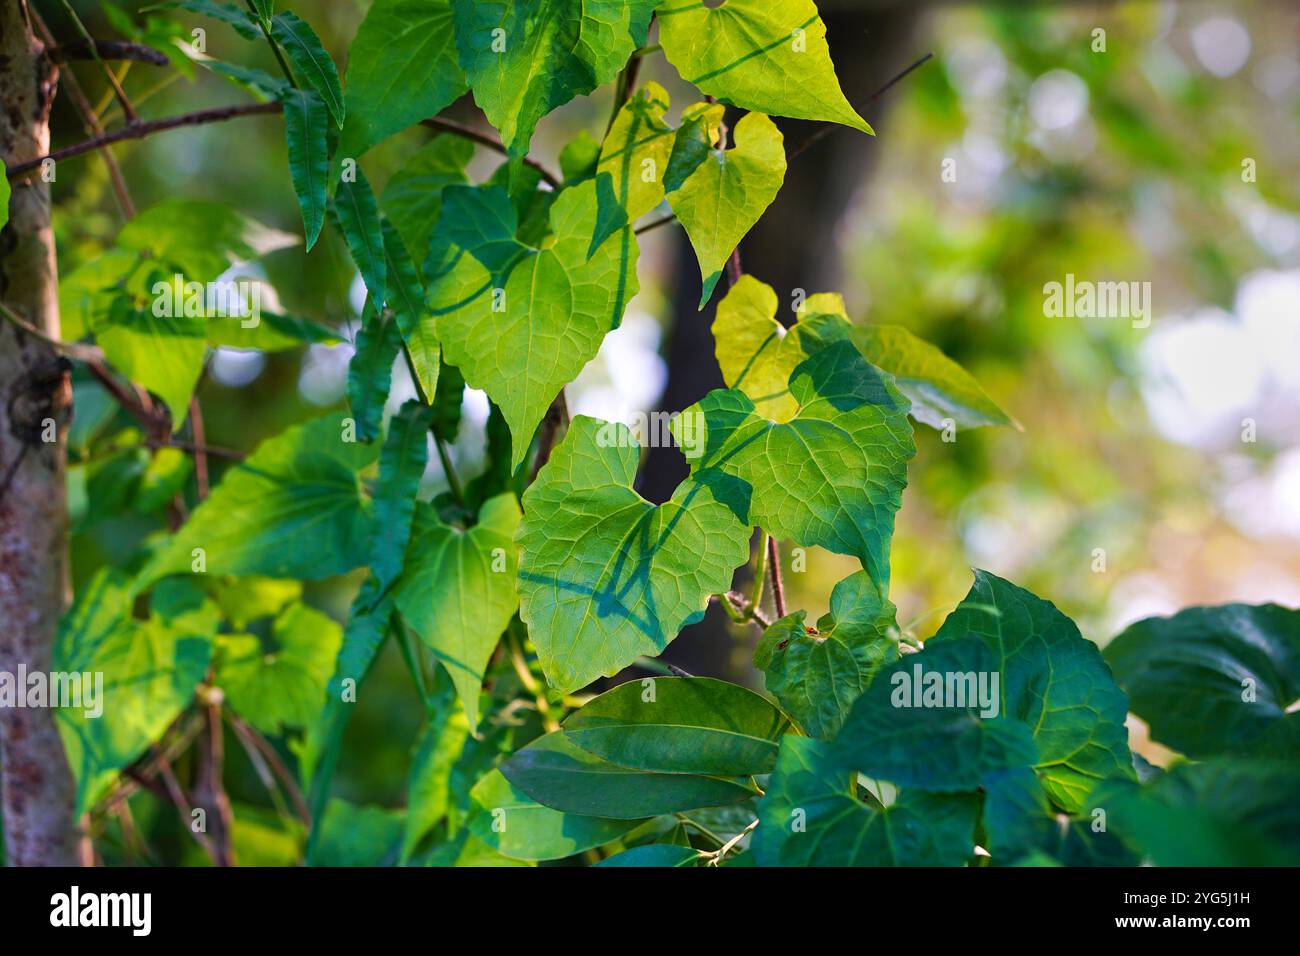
{"x":220,"y":114}
{"x":760,"y":571}
{"x":275,"y":47}
{"x":778,"y":589}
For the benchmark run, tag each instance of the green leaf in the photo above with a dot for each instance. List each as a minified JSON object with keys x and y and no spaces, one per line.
{"x":605,"y":576}
{"x":412,"y":197}
{"x":143,"y":674}
{"x":757,"y":354}
{"x":633,"y":161}
{"x":515,"y":825}
{"x":1021,"y":828}
{"x":428,"y":787}
{"x":162,"y":353}
{"x":272,"y":333}
{"x":198,"y":239}
{"x":524,"y":58}
{"x":265,"y":9}
{"x":406,"y":300}
{"x":5,"y":190}
{"x":402,"y":68}
{"x":1215,"y":681}
{"x":656,"y":854}
{"x":458,"y":590}
{"x":1052,"y":680}
{"x":921,"y":725}
{"x":305,"y":120}
{"x":938,"y":387}
{"x":370,"y":373}
{"x":245,"y":25}
{"x":817,"y":673}
{"x":401,"y":466}
{"x":293,"y":509}
{"x":680,"y":725}
{"x":302,"y":44}
{"x":810,"y":815}
{"x":246,"y":599}
{"x":285,"y":687}
{"x":1219,"y":813}
{"x":358,"y":215}
{"x":769,"y":56}
{"x":727,"y":193}
{"x":545,"y":310}
{"x":354,"y":836}
{"x":831,"y":476}
{"x":557,"y":774}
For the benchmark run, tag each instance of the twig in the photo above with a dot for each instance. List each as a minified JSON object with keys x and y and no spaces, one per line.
{"x":251,"y":737}
{"x":141,"y":130}
{"x":741,"y":611}
{"x":774,"y":565}
{"x":200,"y":450}
{"x":182,"y":803}
{"x":830,"y":128}
{"x":68,"y":83}
{"x":82,"y":353}
{"x":127,"y":110}
{"x":106,"y":50}
{"x":491,"y":142}
{"x":556,"y":420}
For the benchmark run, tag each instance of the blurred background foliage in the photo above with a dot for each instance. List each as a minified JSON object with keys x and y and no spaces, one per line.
{"x":1130,"y":490}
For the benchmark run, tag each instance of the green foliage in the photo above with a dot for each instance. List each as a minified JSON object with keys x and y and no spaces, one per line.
{"x":999,"y":741}
{"x":1216,"y":681}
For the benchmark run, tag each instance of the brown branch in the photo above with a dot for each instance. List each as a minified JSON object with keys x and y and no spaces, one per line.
{"x":141,"y":130}
{"x":491,"y":142}
{"x":774,"y":565}
{"x":107,"y":50}
{"x":250,"y":737}
{"x":200,"y":450}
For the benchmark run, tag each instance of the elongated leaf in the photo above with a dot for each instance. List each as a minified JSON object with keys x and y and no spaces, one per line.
{"x":239,"y":18}
{"x":294,"y":509}
{"x":302,"y":44}
{"x":272,"y":333}
{"x":811,"y":816}
{"x":370,"y":373}
{"x":938,"y":387}
{"x":512,"y":823}
{"x":524,"y":58}
{"x":305,"y":120}
{"x":287,"y":686}
{"x":681,"y":725}
{"x":727,"y":193}
{"x":401,"y":466}
{"x":559,"y":775}
{"x":406,"y":300}
{"x":769,"y":56}
{"x":458,"y":591}
{"x":546,"y":310}
{"x":604,"y":575}
{"x":358,"y":214}
{"x":1215,"y":680}
{"x":428,"y":787}
{"x":402,"y":68}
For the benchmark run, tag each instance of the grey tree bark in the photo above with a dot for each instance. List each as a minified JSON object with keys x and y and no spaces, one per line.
{"x":35,"y":405}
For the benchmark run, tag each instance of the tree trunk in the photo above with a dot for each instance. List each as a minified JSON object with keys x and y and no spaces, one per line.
{"x":35,"y":405}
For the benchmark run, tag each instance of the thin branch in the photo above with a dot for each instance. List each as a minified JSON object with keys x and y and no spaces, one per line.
{"x":200,"y":450}
{"x":68,"y":83}
{"x":106,"y":50}
{"x":251,"y":737}
{"x":127,"y":110}
{"x":491,"y":142}
{"x":774,"y":565}
{"x":141,"y":130}
{"x":830,"y":128}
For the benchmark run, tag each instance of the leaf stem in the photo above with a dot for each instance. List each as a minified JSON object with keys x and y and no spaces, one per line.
{"x":778,"y":589}
{"x":275,"y":47}
{"x":760,"y":571}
